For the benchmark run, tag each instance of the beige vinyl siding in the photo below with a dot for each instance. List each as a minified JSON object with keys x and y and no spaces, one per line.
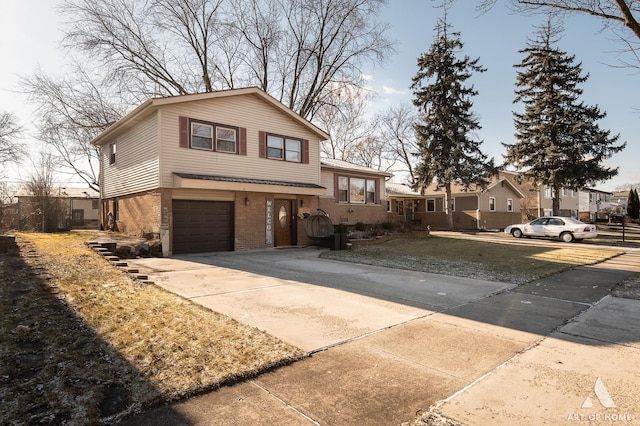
{"x":327,"y":182}
{"x":501,"y":193}
{"x":136,"y":166}
{"x":250,"y":112}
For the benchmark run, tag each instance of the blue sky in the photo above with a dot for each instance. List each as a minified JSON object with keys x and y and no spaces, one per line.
{"x":496,"y":37}
{"x":30,"y":35}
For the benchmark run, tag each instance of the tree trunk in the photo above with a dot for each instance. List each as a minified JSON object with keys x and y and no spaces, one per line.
{"x":448,"y":207}
{"x":556,"y":202}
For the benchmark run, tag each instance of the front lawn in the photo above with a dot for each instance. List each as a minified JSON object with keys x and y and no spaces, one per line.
{"x":81,"y":343}
{"x":507,"y":261}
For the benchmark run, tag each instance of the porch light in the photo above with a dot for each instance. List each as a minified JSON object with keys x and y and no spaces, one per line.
{"x":246,"y":201}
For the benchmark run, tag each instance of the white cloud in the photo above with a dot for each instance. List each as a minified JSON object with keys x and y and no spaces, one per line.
{"x":392,"y":91}
{"x":367,"y":77}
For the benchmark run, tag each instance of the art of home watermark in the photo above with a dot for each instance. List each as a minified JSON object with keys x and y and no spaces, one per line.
{"x":603,"y":400}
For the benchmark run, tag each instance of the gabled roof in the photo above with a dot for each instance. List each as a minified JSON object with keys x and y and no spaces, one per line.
{"x":341,"y":165}
{"x":459,"y":189}
{"x":153,"y":104}
{"x":503,"y":181}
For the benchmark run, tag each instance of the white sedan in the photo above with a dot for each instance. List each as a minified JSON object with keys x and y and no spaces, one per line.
{"x":565,"y":228}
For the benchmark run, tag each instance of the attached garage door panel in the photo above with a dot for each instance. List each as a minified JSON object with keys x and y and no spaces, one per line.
{"x":200,"y":226}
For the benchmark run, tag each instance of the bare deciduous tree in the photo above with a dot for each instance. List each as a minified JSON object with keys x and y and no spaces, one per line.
{"x":10,"y":149}
{"x":292,"y":49}
{"x":343,"y":117}
{"x":70,"y":114}
{"x":621,"y":16}
{"x":45,"y":212}
{"x":396,"y":128}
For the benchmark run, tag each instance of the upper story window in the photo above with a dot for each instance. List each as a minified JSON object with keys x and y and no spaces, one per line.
{"x":431,"y":204}
{"x":284,"y":148}
{"x":356,"y":190}
{"x":548,"y":193}
{"x":213,"y":137}
{"x":112,"y":153}
{"x":492,"y":204}
{"x":509,"y":204}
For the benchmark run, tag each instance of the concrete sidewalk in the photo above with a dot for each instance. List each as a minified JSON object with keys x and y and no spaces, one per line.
{"x":391,"y":344}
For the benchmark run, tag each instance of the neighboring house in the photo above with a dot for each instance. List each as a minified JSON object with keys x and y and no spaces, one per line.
{"x":619,"y":201}
{"x":76,"y":208}
{"x":220,"y":171}
{"x":538,"y":200}
{"x":402,"y":203}
{"x":594,"y":205}
{"x":354,"y":193}
{"x":495,"y":207}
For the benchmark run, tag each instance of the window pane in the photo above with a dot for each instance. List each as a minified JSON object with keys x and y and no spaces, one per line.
{"x":492,"y":204}
{"x":371,"y":191}
{"x":275,"y":147}
{"x":225,"y":139}
{"x":343,"y":189}
{"x":293,"y":150}
{"x":431,"y":205}
{"x":356,"y":190}
{"x":201,"y":136}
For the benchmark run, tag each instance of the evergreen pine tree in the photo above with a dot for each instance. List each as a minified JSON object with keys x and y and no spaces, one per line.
{"x":631,"y":200}
{"x":559,"y":143}
{"x":634,"y":212}
{"x":446,"y":151}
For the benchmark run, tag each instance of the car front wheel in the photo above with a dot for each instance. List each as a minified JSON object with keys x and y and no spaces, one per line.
{"x":567,"y":237}
{"x":516,"y":233}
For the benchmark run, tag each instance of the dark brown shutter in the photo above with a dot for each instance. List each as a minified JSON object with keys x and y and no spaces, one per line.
{"x":335,"y":188}
{"x":262,"y":144}
{"x":305,"y":151}
{"x":184,"y":132}
{"x":242,"y":143}
{"x":378,"y":200}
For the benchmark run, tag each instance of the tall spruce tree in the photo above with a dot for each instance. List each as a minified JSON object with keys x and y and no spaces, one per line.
{"x":559,"y":143}
{"x":447,"y":153}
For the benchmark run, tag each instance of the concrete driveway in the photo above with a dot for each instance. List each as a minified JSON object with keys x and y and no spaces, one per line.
{"x":388,"y":344}
{"x":309,"y":302}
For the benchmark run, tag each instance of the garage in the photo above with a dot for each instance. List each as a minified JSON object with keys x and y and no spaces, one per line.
{"x":202,"y":226}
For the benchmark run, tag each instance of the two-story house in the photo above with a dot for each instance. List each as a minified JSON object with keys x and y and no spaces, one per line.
{"x":538,"y":199}
{"x":220,"y":171}
{"x":595,"y":205}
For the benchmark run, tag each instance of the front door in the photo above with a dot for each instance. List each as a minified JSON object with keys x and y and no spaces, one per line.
{"x":284,"y":223}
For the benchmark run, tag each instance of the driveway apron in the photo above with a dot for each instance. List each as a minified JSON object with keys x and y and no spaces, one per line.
{"x":386,"y":344}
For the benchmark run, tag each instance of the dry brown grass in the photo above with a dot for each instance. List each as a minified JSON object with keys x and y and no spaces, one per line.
{"x":87,"y":344}
{"x":507,"y":261}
